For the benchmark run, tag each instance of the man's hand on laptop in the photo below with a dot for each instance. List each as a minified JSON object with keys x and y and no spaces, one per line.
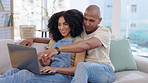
{"x":27,"y":42}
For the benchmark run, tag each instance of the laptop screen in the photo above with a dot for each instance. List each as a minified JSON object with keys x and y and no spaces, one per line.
{"x":23,"y":57}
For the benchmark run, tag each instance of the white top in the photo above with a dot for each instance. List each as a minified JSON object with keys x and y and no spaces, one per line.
{"x":100,"y":54}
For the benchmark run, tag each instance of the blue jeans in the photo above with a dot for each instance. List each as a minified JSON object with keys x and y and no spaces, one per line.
{"x":24,"y":76}
{"x":93,"y":73}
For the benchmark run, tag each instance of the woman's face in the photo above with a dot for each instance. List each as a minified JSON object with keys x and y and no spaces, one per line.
{"x":63,"y":27}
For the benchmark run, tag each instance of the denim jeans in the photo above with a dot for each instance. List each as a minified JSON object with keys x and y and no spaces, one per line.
{"x":93,"y":73}
{"x":24,"y":76}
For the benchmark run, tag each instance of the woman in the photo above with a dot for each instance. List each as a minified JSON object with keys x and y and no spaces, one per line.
{"x":65,"y":28}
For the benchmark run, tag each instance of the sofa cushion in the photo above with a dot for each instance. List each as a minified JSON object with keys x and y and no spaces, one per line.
{"x":121,"y":55}
{"x":4,"y":55}
{"x":131,"y":77}
{"x":40,"y":47}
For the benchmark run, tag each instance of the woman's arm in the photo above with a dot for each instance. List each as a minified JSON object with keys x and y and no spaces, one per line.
{"x":70,"y":70}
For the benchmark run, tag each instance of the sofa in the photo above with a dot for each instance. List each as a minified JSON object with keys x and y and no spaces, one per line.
{"x":128,"y":68}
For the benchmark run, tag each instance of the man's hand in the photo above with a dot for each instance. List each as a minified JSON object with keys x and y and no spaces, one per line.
{"x":27,"y":42}
{"x":50,"y":53}
{"x":44,"y":60}
{"x":45,"y":57}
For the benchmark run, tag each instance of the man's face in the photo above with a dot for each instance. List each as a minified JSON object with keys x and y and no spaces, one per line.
{"x":91,"y":22}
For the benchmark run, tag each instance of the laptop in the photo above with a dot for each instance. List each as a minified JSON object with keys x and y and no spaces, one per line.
{"x":24,"y":57}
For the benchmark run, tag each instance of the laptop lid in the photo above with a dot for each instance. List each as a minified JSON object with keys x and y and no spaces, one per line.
{"x":23,"y":57}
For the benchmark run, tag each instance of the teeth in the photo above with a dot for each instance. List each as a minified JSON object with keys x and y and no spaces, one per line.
{"x":63,"y":31}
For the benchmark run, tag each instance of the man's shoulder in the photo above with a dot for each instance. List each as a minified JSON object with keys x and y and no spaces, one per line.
{"x":103,"y":28}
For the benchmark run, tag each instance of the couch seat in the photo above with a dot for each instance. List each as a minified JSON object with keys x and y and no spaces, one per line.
{"x":131,"y":77}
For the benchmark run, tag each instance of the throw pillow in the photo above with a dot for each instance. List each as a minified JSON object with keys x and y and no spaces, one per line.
{"x":121,"y":55}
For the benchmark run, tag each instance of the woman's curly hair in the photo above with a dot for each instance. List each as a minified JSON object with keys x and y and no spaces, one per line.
{"x":73,"y":17}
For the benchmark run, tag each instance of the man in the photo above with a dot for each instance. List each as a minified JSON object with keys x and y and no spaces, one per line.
{"x":97,"y":67}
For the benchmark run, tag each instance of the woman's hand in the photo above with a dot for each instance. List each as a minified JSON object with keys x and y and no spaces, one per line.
{"x":48,"y":69}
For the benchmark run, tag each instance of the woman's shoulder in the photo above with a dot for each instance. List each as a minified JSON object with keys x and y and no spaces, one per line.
{"x":50,"y":44}
{"x":75,"y":39}
{"x":78,"y":39}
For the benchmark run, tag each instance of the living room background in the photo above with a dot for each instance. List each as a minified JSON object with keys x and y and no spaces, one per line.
{"x":126,"y":18}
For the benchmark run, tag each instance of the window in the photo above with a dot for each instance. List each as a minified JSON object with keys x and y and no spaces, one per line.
{"x":26,"y":12}
{"x":133,"y":8}
{"x":32,"y":12}
{"x":134,"y":25}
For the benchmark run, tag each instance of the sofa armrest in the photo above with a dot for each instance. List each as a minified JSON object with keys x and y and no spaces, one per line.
{"x":142,"y":63}
{"x":4,"y":55}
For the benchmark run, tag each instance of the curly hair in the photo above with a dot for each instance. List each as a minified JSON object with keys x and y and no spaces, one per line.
{"x":73,"y":17}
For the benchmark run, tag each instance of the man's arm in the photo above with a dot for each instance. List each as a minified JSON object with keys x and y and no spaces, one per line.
{"x":29,"y":41}
{"x":41,"y":40}
{"x":81,"y":45}
{"x":77,"y":47}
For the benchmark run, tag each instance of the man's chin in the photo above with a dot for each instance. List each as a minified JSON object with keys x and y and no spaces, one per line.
{"x":88,"y":32}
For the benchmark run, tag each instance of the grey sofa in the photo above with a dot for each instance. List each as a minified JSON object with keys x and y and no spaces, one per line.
{"x":136,"y":74}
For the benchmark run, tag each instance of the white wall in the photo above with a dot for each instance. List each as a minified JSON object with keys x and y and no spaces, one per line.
{"x":79,"y":4}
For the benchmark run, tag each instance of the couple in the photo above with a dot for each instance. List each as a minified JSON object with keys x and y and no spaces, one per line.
{"x":67,"y":50}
